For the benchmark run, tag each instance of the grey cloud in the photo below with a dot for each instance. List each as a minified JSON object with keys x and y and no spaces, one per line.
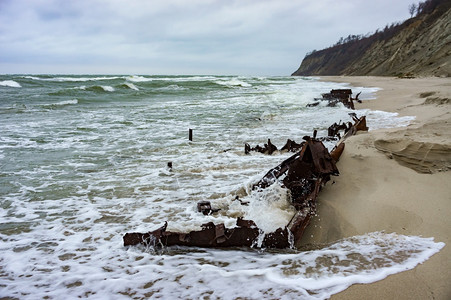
{"x":251,"y":37}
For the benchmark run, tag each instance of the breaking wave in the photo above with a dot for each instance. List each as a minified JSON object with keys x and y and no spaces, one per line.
{"x":131,"y":86}
{"x":100,"y":88}
{"x":61,"y":103}
{"x":233,"y":83}
{"x":138,"y":79}
{"x":72,"y":79}
{"x":10,"y":83}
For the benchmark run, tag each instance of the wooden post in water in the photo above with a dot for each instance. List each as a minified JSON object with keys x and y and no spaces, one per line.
{"x":190,"y":135}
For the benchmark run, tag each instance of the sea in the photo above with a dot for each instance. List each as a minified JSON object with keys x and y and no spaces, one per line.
{"x":84,"y":160}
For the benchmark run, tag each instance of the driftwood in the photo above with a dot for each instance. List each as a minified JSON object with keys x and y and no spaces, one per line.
{"x":305,"y":173}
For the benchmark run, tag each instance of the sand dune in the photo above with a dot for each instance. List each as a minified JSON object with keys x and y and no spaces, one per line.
{"x":426,"y":149}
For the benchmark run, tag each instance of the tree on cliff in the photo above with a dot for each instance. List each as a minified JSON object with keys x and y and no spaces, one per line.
{"x":412,"y":9}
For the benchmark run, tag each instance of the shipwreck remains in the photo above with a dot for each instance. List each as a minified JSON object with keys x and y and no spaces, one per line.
{"x":338,"y":96}
{"x":270,"y":148}
{"x":303,"y":174}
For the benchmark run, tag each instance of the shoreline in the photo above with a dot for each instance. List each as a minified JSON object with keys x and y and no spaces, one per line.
{"x":395,"y":180}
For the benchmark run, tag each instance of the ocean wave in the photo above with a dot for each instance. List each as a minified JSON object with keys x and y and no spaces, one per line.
{"x":100,"y":88}
{"x":172,"y":87}
{"x":73,"y":79}
{"x":130,"y":86}
{"x":194,"y":78}
{"x":107,"y":88}
{"x":61,"y":103}
{"x":135,"y":78}
{"x":233,"y":83}
{"x":10,"y":83}
{"x":67,"y":102}
{"x":31,"y":77}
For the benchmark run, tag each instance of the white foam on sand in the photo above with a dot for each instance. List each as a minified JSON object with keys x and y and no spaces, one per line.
{"x":194,"y":273}
{"x":381,"y":119}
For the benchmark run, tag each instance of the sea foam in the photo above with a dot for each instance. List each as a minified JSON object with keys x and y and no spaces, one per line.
{"x":196,"y":273}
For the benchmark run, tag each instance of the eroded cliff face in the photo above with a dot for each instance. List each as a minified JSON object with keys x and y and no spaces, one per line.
{"x":419,"y":46}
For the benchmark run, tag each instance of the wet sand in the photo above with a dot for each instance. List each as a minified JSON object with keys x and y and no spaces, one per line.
{"x":395,"y":180}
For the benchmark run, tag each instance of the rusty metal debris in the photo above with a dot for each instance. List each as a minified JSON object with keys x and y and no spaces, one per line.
{"x":269,"y":148}
{"x":305,"y":173}
{"x":245,"y":233}
{"x":338,"y":96}
{"x":205,"y":208}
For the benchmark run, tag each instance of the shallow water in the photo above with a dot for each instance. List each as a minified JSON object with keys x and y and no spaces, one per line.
{"x":83,"y":159}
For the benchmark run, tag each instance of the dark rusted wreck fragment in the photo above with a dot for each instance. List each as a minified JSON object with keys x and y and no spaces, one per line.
{"x":338,"y":96}
{"x":359,"y":125}
{"x":270,"y":148}
{"x":205,"y":208}
{"x":291,"y":146}
{"x":245,"y":233}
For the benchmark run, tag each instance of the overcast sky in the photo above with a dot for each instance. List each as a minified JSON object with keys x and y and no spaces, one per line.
{"x":246,"y":37}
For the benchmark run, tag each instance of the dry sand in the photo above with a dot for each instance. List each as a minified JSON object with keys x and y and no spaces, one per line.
{"x":395,"y":180}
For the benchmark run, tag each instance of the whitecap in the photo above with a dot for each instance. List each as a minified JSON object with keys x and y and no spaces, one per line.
{"x":233,"y":82}
{"x":172,"y":87}
{"x":31,"y":77}
{"x":107,"y":88}
{"x":67,"y":102}
{"x":10,"y":83}
{"x":76,"y":79}
{"x":132,"y":86}
{"x":135,"y":78}
{"x":61,"y":103}
{"x":73,"y":79}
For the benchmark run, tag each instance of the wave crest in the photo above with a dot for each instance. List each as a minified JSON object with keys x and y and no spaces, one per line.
{"x":131,"y":86}
{"x":10,"y":83}
{"x":138,"y":79}
{"x":233,"y":83}
{"x":73,"y":79}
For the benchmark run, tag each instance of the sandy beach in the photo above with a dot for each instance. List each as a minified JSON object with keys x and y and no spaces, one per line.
{"x":395,"y":181}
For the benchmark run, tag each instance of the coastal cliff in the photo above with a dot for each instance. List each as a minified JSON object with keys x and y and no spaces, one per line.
{"x":419,"y":46}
